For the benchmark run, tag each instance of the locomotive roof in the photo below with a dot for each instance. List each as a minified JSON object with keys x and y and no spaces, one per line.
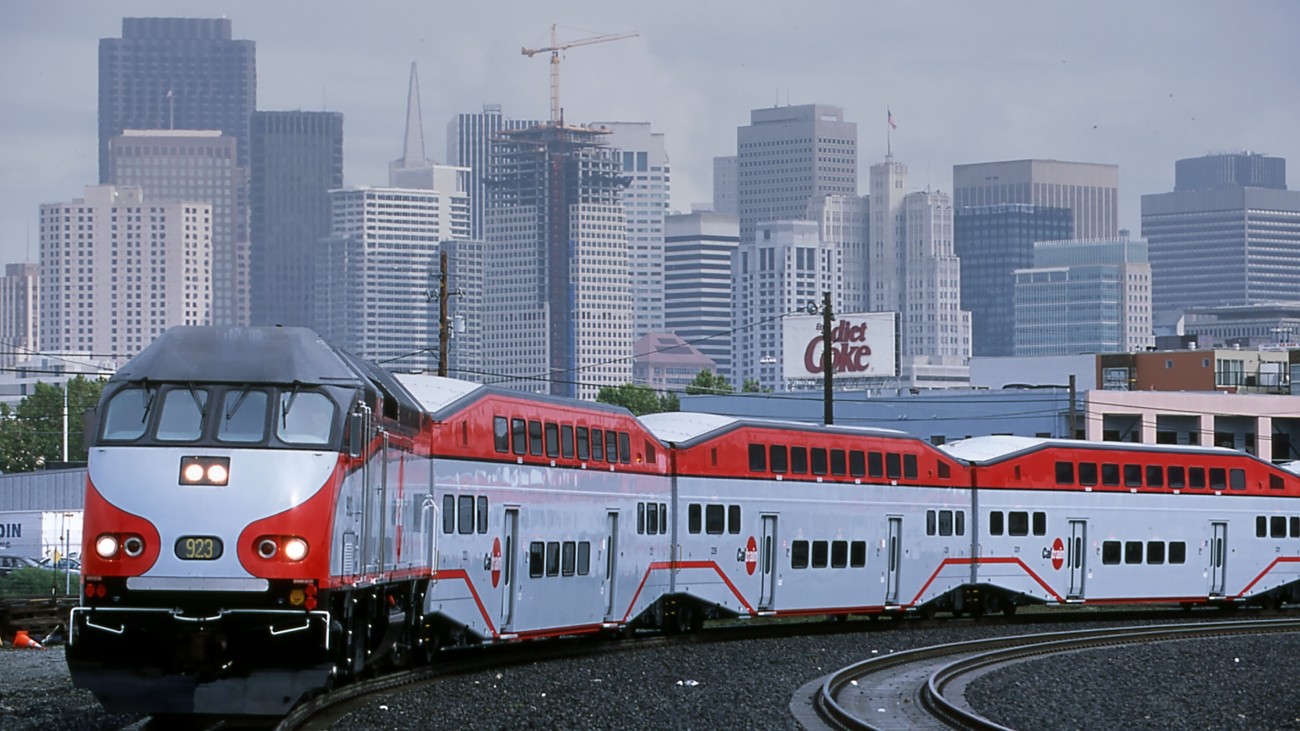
{"x":239,"y":355}
{"x":686,"y":427}
{"x":988,"y":449}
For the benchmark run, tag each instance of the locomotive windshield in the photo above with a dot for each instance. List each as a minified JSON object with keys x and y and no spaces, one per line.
{"x":243,"y":415}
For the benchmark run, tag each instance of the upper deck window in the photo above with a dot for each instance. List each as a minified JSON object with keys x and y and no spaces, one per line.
{"x":127,"y":414}
{"x":305,"y":417}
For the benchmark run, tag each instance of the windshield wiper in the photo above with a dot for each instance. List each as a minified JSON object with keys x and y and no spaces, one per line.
{"x":203,"y":409}
{"x":230,"y":412}
{"x":284,"y":413}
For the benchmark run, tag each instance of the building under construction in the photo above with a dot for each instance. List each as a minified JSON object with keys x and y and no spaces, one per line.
{"x":557,"y":287}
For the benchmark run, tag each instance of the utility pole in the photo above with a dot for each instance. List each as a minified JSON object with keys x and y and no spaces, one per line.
{"x":828,"y":406}
{"x":442,"y":314}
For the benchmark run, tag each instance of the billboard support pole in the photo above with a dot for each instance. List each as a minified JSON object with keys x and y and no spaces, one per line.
{"x":827,"y":404}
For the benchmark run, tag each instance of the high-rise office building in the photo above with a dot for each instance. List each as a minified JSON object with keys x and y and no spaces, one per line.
{"x":644,"y":163}
{"x":915,"y":273}
{"x":377,"y":271}
{"x":297,"y":159}
{"x":726,"y":182}
{"x":117,"y":270}
{"x":844,"y":220}
{"x":992,"y":242}
{"x":783,"y":270}
{"x":176,"y":73}
{"x":195,"y":165}
{"x":558,"y":302}
{"x":1086,"y":296}
{"x":187,"y":74}
{"x":1216,"y":243}
{"x":789,"y":155}
{"x":20,"y":291}
{"x":470,"y":139}
{"x":1243,"y":169}
{"x":1090,"y":190}
{"x":697,"y":282}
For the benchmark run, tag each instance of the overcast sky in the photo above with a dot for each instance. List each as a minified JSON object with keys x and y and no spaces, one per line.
{"x":1137,"y":84}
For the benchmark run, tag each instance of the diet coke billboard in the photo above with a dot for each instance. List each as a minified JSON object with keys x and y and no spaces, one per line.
{"x":863,"y":345}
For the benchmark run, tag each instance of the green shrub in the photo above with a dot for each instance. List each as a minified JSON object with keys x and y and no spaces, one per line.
{"x":34,"y":581}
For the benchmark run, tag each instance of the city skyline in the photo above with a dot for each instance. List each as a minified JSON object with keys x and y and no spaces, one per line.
{"x":1102,"y":83}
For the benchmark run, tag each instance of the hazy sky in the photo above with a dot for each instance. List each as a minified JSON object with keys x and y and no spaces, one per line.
{"x":1137,"y":84}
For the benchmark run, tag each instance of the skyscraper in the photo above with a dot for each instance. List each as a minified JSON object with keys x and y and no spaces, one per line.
{"x":697,"y":282}
{"x":469,"y":144}
{"x":726,"y":182}
{"x":20,"y":291}
{"x":558,"y":303}
{"x":117,"y":270}
{"x":644,"y":162}
{"x":844,"y":220}
{"x":992,"y":242}
{"x":783,"y":270}
{"x":915,"y":273}
{"x":377,"y":269}
{"x":297,"y":159}
{"x":1084,"y":297}
{"x":1091,"y":190}
{"x":1218,"y":240}
{"x":176,"y":73}
{"x":789,"y":155}
{"x":195,"y":165}
{"x":412,"y":169}
{"x":186,"y":74}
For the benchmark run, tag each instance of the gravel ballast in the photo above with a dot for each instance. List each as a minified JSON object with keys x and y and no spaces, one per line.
{"x":1241,"y":683}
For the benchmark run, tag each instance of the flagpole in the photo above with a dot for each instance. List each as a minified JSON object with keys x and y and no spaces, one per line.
{"x":889,"y":145}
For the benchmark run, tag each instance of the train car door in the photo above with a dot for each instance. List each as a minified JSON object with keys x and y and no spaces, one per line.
{"x":767,"y":564}
{"x":1074,"y":557}
{"x":508,"y":550}
{"x":895,"y":549}
{"x":1218,"y":558}
{"x":611,"y":565}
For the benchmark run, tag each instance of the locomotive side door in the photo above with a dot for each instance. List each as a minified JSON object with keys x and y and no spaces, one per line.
{"x":508,"y":549}
{"x":895,"y":550}
{"x":1218,"y":558}
{"x":1074,"y":557}
{"x":767,"y":564}
{"x":611,"y":566}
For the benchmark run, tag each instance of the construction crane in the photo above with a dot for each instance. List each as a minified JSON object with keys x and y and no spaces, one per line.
{"x":554,"y":50}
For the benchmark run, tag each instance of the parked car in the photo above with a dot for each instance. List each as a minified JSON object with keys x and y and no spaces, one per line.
{"x":13,"y":563}
{"x":68,"y":564}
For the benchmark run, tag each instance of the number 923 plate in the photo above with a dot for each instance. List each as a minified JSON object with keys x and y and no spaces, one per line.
{"x":198,"y":548}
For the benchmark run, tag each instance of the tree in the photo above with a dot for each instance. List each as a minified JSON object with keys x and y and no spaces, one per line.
{"x":34,"y":431}
{"x":752,"y":385}
{"x":640,"y":400}
{"x":708,"y":382}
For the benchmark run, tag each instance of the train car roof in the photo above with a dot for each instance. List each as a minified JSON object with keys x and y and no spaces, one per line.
{"x":215,"y":354}
{"x":989,"y":449}
{"x":684,"y":428}
{"x":441,"y":397}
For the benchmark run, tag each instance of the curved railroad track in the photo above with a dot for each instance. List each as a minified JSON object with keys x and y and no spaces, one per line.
{"x":922,"y":689}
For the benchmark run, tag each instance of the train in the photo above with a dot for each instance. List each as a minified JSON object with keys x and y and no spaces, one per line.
{"x":268,"y":516}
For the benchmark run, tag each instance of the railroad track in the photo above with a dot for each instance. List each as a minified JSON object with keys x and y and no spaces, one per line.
{"x":922,"y":689}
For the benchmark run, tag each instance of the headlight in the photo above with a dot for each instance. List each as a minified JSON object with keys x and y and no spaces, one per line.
{"x":106,"y":546}
{"x":295,"y":549}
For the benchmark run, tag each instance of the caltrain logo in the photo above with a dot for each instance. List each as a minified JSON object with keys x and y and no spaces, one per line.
{"x":751,"y":556}
{"x":1057,"y":554}
{"x":496,"y":562}
{"x":849,"y":350}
